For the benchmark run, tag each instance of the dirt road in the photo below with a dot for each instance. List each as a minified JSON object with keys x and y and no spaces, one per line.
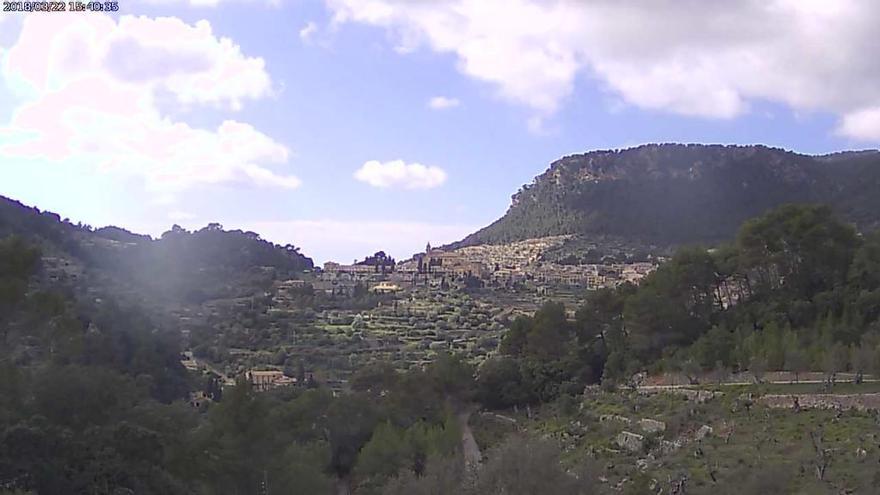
{"x":471,"y":451}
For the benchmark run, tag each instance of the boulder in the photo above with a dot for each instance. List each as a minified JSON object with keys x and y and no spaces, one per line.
{"x":632,"y":442}
{"x":652,"y":425}
{"x":703,"y":432}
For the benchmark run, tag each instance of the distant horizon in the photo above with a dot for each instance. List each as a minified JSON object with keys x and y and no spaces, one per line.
{"x":347,"y":126}
{"x":156,"y":235}
{"x":282,"y":239}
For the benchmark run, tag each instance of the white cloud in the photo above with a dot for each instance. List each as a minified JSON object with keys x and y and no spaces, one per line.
{"x":308,"y":31}
{"x":398,"y":174}
{"x":862,"y":124}
{"x":706,"y":59}
{"x":90,"y":87}
{"x":443,"y":102}
{"x":345,"y":240}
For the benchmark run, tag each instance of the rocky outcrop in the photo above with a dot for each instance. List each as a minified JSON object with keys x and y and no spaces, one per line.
{"x":632,"y":442}
{"x":652,"y":426}
{"x":703,"y":432}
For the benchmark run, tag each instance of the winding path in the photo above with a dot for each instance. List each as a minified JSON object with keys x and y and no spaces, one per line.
{"x":471,"y":451}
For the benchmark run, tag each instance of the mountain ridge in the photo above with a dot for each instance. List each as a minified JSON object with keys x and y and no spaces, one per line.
{"x":672,"y":194}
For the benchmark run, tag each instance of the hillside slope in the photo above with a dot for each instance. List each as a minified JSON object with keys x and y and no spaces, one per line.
{"x":671,"y":194}
{"x":181,"y":266}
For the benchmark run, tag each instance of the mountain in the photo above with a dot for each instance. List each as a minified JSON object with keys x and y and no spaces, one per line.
{"x":673,"y":194}
{"x":181,"y":266}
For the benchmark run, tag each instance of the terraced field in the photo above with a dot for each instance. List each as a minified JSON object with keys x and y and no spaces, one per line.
{"x":407,"y":331}
{"x":727,"y":442}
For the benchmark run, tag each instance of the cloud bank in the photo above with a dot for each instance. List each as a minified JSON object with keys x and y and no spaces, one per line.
{"x":694,"y":58}
{"x":90,"y":85}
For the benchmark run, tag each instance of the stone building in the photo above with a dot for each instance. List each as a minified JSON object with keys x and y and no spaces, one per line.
{"x":267,"y":380}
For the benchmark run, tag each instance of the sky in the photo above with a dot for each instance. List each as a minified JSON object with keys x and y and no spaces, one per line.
{"x":349,"y":126}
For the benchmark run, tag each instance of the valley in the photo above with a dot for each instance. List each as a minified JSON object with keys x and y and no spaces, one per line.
{"x":594,"y":363}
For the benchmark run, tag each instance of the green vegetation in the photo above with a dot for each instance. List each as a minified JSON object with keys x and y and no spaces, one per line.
{"x":180,"y":267}
{"x":716,"y":446}
{"x":91,"y":402}
{"x":519,"y":466}
{"x":94,"y":399}
{"x":199,"y":266}
{"x":332,"y":339}
{"x":675,"y":194}
{"x":797,"y":291}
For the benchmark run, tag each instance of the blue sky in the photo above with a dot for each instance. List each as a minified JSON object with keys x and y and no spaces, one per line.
{"x":311,"y":122}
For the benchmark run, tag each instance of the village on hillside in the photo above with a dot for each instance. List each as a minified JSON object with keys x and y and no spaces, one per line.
{"x":456,"y":300}
{"x":516,"y":265}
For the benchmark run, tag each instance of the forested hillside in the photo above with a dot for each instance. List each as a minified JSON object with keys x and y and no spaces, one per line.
{"x":675,"y":194}
{"x":93,"y":398}
{"x":180,"y":265}
{"x":797,"y":290}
